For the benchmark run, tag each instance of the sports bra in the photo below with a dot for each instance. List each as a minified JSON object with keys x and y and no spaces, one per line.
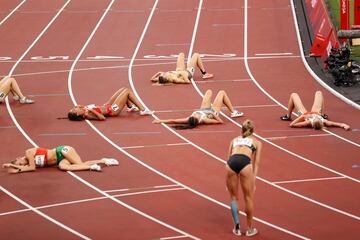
{"x":248,"y":142}
{"x":312,"y":118}
{"x":40,"y":157}
{"x":204,"y":114}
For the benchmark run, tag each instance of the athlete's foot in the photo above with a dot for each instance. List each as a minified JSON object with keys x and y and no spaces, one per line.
{"x":133,"y":108}
{"x":26,"y":100}
{"x":146,"y":112}
{"x":236,"y":230}
{"x":207,"y":76}
{"x":285,"y":118}
{"x":111,"y":161}
{"x":251,"y":232}
{"x":236,"y":114}
{"x":95,"y":167}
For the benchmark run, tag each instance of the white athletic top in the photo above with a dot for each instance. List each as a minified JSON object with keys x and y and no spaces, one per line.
{"x":240,"y":141}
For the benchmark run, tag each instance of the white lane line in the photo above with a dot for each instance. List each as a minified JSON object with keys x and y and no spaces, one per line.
{"x":155,"y":145}
{"x":297,"y":136}
{"x":25,"y":134}
{"x":180,"y":136}
{"x":273,"y":54}
{"x":308,"y":180}
{"x":164,"y":224}
{"x":11,"y":13}
{"x":90,"y":200}
{"x":31,"y":208}
{"x":174,"y":237}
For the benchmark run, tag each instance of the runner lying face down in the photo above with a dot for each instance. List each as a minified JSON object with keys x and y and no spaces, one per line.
{"x":111,"y":108}
{"x":65,"y":157}
{"x":243,"y":166}
{"x":207,"y":114}
{"x":315,"y":118}
{"x":183,"y":73}
{"x":7,"y":85}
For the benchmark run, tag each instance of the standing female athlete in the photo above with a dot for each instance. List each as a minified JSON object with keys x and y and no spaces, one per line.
{"x":243,"y":165}
{"x":65,"y":157}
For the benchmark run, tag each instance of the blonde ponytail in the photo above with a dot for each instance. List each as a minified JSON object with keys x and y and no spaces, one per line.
{"x":247,"y":128}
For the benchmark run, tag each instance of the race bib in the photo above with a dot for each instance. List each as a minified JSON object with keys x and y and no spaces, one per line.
{"x":243,"y":142}
{"x":65,"y":149}
{"x":40,"y":160}
{"x":114,"y":107}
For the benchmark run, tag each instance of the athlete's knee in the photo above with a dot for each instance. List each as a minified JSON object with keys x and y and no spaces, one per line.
{"x":318,"y":93}
{"x":208,"y":92}
{"x":181,"y":54}
{"x":63,"y":167}
{"x":292,"y":95}
{"x":222,"y":92}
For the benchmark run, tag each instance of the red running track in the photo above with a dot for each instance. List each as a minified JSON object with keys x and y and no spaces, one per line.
{"x":169,"y":184}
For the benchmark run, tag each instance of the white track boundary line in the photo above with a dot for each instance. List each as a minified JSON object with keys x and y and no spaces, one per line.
{"x":316,"y":77}
{"x":44,"y":215}
{"x":264,"y":91}
{"x":87,"y":121}
{"x":27,"y":137}
{"x":180,"y":136}
{"x":11,"y":13}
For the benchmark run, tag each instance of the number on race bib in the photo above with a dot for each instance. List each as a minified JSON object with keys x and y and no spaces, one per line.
{"x":65,"y":149}
{"x":114,"y":107}
{"x":40,"y":160}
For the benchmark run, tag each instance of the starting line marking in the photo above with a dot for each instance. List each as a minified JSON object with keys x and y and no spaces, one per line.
{"x":309,"y":180}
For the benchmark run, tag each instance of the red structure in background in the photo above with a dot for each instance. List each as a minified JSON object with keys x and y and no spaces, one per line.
{"x":325,"y":35}
{"x":344,"y":15}
{"x":356,"y":12}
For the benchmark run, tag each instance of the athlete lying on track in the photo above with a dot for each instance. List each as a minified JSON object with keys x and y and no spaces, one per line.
{"x":65,"y":157}
{"x":111,"y":108}
{"x":207,"y":114}
{"x":315,"y":118}
{"x":7,"y":85}
{"x":183,"y":73}
{"x":241,"y":167}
